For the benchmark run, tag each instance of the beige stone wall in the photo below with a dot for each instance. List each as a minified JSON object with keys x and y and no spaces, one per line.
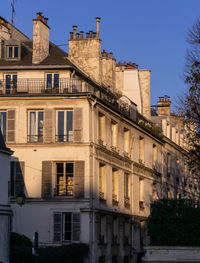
{"x":144,"y":78}
{"x":108,"y":72}
{"x":85,"y":53}
{"x":40,"y":41}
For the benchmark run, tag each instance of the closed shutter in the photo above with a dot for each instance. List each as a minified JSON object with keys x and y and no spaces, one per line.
{"x":57,"y":226}
{"x":19,"y":179}
{"x":11,"y":126}
{"x":76,"y":227}
{"x":78,"y":123}
{"x":48,"y":126}
{"x":79,"y":171}
{"x":46,"y":179}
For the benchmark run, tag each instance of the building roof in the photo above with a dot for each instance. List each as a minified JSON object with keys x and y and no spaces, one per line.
{"x":56,"y":56}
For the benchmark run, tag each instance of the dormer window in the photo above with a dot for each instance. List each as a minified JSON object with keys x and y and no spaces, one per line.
{"x":12,"y":52}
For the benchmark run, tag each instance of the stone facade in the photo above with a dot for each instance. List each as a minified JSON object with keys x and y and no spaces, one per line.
{"x":87,"y":160}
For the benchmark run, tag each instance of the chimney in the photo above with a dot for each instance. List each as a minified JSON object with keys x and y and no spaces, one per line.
{"x":40,"y":39}
{"x":164,"y":106}
{"x":98,"y":21}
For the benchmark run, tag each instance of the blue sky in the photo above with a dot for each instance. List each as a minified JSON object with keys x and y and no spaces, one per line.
{"x":151,"y":33}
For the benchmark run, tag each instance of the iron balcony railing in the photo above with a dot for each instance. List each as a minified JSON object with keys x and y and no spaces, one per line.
{"x":43,"y":86}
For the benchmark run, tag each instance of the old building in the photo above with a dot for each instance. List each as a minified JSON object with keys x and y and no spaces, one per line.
{"x":88,"y":160}
{"x":5,"y":210}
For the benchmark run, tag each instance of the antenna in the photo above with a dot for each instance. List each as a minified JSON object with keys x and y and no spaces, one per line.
{"x":13,"y":11}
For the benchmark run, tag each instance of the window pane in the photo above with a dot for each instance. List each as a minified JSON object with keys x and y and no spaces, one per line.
{"x":40,"y":125}
{"x":49,"y":81}
{"x":68,"y":226}
{"x":10,"y":52}
{"x":60,"y":179}
{"x":16,"y":52}
{"x":61,"y":126}
{"x":56,"y":80}
{"x":69,"y":169}
{"x":69,"y":125}
{"x":32,"y":126}
{"x":3,"y":124}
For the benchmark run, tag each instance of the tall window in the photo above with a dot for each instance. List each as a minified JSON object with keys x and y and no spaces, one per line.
{"x":102,"y":181}
{"x":64,"y":126}
{"x":35,"y":126}
{"x":3,"y":123}
{"x":115,"y":186}
{"x":115,"y":230}
{"x":11,"y":83}
{"x":141,"y":150}
{"x":126,"y":190}
{"x":103,"y":229}
{"x":114,"y":135}
{"x":52,"y":80}
{"x":64,"y":179}
{"x":141,"y":193}
{"x":66,"y":227}
{"x":168,"y":164}
{"x":102,"y":129}
{"x":154,"y":156}
{"x":126,"y":141}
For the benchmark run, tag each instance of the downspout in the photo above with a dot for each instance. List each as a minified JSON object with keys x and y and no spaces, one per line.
{"x":92,"y":103}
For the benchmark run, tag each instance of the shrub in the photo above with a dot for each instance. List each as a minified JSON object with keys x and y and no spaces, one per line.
{"x":174,"y":222}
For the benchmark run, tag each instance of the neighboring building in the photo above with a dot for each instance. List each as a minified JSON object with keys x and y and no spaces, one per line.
{"x":5,"y":211}
{"x":88,"y":162}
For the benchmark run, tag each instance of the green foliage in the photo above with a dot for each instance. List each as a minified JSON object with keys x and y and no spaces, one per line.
{"x":20,"y":249}
{"x":174,"y":223}
{"x":73,"y":253}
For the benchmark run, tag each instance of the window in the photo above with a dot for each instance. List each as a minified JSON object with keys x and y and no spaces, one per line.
{"x":102,"y":129}
{"x":141,"y":193}
{"x":127,"y":190}
{"x":126,"y":141}
{"x":35,"y":126}
{"x":141,"y":150}
{"x":115,"y":187}
{"x":64,"y":179}
{"x":115,"y":230}
{"x":66,"y":226}
{"x":168,"y":164}
{"x":114,"y":135}
{"x":127,"y":231}
{"x":16,"y":186}
{"x":103,"y":229}
{"x":11,"y":83}
{"x":154,"y":156}
{"x":3,"y":123}
{"x":64,"y":126}
{"x":102,"y":181}
{"x":52,"y":80}
{"x":12,"y":52}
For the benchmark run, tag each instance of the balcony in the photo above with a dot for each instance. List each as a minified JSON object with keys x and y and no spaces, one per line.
{"x":43,"y":86}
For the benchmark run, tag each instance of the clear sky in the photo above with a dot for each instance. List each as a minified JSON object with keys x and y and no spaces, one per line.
{"x":151,"y":33}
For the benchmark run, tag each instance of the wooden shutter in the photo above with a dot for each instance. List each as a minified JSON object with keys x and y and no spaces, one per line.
{"x":46,"y":179}
{"x":57,"y":226}
{"x":19,"y":178}
{"x":76,"y":227}
{"x":79,"y":171}
{"x":11,"y":126}
{"x":48,"y":126}
{"x":78,"y":123}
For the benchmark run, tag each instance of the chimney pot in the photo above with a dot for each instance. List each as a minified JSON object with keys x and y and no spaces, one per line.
{"x":81,"y":34}
{"x":71,"y":35}
{"x":87,"y":35}
{"x":97,"y":25}
{"x":39,"y":15}
{"x":94,"y":34}
{"x":91,"y":33}
{"x":45,"y":20}
{"x":77,"y":35}
{"x":74,"y":29}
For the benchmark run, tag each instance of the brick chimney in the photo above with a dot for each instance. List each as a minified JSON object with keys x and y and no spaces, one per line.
{"x":40,"y":39}
{"x":164,"y":106}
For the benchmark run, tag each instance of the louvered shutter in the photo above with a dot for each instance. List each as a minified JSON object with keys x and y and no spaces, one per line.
{"x":46,"y":179}
{"x":48,"y":126}
{"x":79,"y":171}
{"x":78,"y":123}
{"x":11,"y":126}
{"x":76,"y":227}
{"x":57,"y":227}
{"x":19,"y":179}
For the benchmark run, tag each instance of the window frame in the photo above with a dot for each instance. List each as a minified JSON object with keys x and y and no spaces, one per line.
{"x":52,"y":83}
{"x":4,"y":134}
{"x":12,"y":48}
{"x":65,"y":184}
{"x":66,"y":137}
{"x":36,"y":139}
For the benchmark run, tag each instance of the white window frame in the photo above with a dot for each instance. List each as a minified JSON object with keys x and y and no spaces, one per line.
{"x":36,"y":139}
{"x":65,"y":126}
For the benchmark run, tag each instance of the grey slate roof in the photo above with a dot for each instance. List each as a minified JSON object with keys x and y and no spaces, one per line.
{"x":56,"y":56}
